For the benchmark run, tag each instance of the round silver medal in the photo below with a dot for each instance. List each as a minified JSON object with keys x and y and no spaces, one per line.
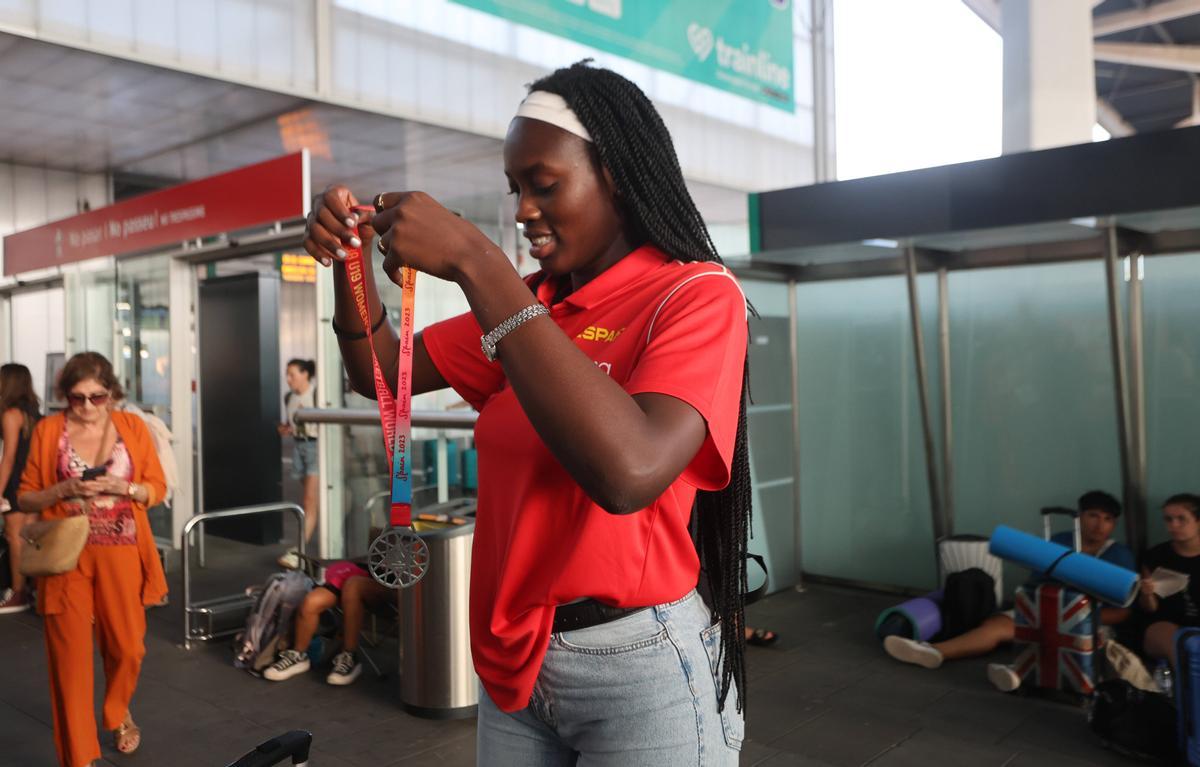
{"x":398,"y":558}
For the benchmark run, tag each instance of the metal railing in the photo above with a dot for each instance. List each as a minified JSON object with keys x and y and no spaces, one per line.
{"x":231,"y":602}
{"x":431,"y":419}
{"x":346,"y":416}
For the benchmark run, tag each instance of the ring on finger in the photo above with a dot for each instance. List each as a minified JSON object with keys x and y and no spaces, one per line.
{"x":378,"y":202}
{"x":381,"y":246}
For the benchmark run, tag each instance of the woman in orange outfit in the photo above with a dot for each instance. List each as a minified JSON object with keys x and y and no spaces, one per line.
{"x":119,"y":572}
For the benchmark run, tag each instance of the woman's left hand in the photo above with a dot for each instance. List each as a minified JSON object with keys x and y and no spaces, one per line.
{"x":110,"y":485}
{"x":416,"y":230}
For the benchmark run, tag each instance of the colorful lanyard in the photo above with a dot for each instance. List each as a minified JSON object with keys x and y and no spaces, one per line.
{"x":394,"y":411}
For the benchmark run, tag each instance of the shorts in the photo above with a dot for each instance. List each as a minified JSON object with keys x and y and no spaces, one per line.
{"x":338,"y":573}
{"x":304,"y":459}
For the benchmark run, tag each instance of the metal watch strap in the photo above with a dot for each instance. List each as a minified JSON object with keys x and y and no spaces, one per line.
{"x":489,"y":340}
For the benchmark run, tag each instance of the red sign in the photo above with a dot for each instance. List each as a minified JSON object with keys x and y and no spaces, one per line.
{"x":255,"y":195}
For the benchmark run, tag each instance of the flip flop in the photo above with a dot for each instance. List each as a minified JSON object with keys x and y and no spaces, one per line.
{"x":762,"y":638}
{"x":128,"y":736}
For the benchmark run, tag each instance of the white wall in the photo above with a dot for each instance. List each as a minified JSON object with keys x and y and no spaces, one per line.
{"x":426,"y":60}
{"x":268,"y":42}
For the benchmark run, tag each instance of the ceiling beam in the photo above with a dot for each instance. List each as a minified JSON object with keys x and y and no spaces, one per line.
{"x":1180,"y":58}
{"x":1194,"y":118}
{"x":1111,"y":23}
{"x":1107,"y":115}
{"x":1112,"y":121}
{"x":988,"y":10}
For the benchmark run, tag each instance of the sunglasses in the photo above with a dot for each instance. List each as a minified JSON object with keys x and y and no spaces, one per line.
{"x":97,"y":399}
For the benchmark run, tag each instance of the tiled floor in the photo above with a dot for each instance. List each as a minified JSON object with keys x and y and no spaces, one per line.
{"x":824,"y":695}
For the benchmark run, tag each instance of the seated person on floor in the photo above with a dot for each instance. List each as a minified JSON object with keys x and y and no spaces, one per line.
{"x":355,"y":590}
{"x":1163,"y":616}
{"x":1097,"y":520}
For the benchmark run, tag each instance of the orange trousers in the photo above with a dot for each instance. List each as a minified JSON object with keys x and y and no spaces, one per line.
{"x":104,"y":600}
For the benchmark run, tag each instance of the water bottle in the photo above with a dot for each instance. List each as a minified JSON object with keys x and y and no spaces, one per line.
{"x":1162,"y":677}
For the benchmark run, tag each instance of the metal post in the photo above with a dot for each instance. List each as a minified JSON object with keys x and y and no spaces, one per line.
{"x":794,"y":356}
{"x":443,"y":468}
{"x":914,"y":308}
{"x":1136,"y":510}
{"x":1117,"y":339}
{"x":947,"y":415}
{"x":822,"y":85}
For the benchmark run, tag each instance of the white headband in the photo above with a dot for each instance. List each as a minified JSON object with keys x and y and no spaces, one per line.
{"x":552,"y":108}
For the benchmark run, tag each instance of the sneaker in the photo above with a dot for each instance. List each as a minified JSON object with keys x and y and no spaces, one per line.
{"x":290,"y":560}
{"x":912,"y":651}
{"x":289,"y":664}
{"x":346,"y":668}
{"x":1002,"y":677}
{"x":13,"y":601}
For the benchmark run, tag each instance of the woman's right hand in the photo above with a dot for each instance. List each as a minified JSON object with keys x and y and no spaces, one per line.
{"x":331,"y":225}
{"x":74,"y":487}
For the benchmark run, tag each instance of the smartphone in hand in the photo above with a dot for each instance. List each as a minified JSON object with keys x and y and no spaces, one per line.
{"x":94,"y":473}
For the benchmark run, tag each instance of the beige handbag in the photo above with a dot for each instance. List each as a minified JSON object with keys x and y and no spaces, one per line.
{"x":52,"y":546}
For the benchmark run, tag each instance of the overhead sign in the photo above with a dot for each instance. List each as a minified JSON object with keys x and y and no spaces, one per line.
{"x":297,"y":267}
{"x":740,"y":46}
{"x":252,"y":196}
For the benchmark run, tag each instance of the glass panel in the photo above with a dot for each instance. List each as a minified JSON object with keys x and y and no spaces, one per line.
{"x":1033,"y":394}
{"x":1172,"y":364}
{"x":770,"y":429}
{"x":94,"y":320}
{"x":864,"y":500}
{"x":144,"y":338}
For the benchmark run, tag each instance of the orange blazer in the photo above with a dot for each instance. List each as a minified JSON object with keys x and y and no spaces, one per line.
{"x":41,"y":471}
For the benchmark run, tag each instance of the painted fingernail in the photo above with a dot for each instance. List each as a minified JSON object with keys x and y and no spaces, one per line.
{"x":351,"y":222}
{"x":356,"y":242}
{"x":326,"y":261}
{"x":341,"y":253}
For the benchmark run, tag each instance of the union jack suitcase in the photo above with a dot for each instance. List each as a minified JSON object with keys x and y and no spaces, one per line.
{"x":1056,"y":630}
{"x":1055,"y":637}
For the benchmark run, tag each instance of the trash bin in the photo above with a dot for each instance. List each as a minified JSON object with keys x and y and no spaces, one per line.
{"x":437,"y":679}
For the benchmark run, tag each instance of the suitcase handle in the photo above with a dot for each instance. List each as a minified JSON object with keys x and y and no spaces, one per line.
{"x":294,"y":744}
{"x":1060,"y":511}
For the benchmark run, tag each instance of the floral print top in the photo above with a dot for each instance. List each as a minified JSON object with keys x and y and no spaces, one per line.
{"x":110,"y":516}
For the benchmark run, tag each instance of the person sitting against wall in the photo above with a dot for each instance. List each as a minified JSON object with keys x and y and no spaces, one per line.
{"x":350,"y":586}
{"x":1098,"y":514}
{"x":302,"y":393}
{"x":1164,"y":616}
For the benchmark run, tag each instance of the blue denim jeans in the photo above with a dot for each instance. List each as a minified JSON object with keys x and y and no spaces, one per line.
{"x":641,"y":690}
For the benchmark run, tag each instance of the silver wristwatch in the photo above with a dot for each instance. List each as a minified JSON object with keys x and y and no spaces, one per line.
{"x":489,"y":340}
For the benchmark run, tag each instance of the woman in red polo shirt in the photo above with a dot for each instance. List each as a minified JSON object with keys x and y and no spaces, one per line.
{"x":612,"y":433}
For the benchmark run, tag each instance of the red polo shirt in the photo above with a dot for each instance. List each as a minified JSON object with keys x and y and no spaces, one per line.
{"x":654,"y":325}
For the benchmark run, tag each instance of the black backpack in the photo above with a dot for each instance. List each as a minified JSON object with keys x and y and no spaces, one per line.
{"x":968,"y":599}
{"x":1134,"y":722}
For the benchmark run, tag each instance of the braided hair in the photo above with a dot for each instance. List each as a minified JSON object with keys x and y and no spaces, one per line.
{"x":636,"y":149}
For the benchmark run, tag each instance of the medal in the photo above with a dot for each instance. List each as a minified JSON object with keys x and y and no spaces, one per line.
{"x":398,"y":558}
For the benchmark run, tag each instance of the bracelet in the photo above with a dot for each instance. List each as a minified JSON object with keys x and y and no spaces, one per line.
{"x":489,"y":340}
{"x":345,"y":335}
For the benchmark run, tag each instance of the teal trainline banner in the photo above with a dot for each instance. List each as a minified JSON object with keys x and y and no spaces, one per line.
{"x":740,"y":46}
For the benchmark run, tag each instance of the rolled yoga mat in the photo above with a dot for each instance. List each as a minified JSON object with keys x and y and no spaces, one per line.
{"x":919,"y":618}
{"x":1089,"y":574}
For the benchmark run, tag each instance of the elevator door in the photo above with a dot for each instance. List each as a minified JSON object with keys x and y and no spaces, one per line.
{"x":239,"y":381}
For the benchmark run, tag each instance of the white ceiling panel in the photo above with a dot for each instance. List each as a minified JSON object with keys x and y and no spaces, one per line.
{"x":72,"y":110}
